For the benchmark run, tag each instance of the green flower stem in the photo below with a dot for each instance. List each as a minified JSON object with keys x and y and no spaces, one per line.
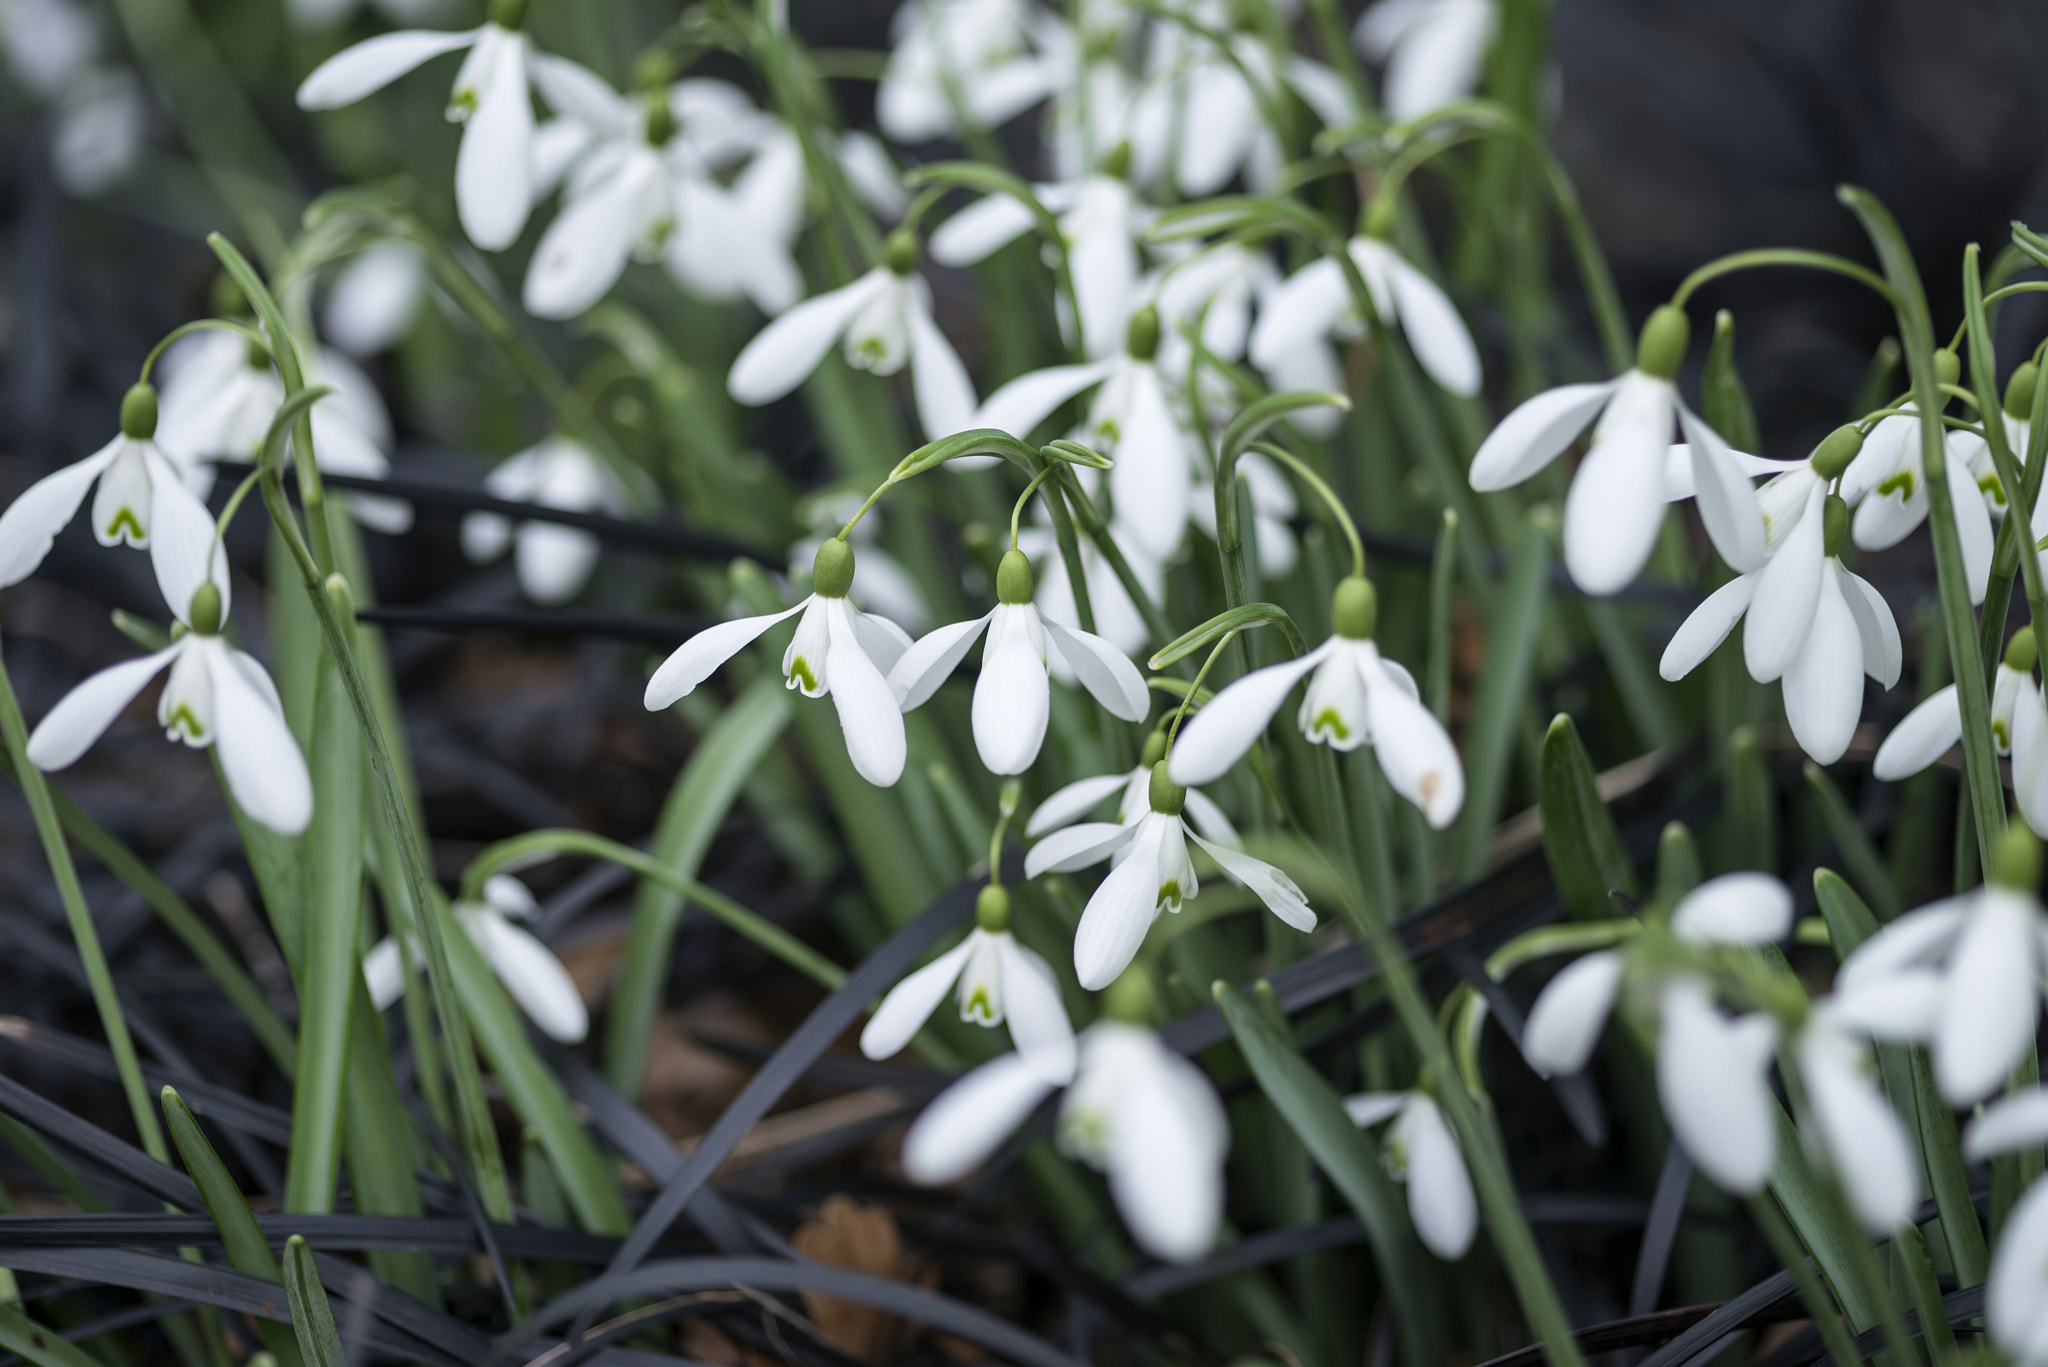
{"x":1324,"y":492}
{"x":1070,"y":556}
{"x":1337,"y":51}
{"x":535,"y":846}
{"x":100,"y":979}
{"x":1820,"y":1307}
{"x":1916,"y":336}
{"x":1017,"y":508}
{"x":1984,"y":376}
{"x":248,"y":334}
{"x":1784,"y":256}
{"x":1090,"y":521}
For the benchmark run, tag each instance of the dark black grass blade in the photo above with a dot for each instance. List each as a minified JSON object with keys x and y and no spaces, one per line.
{"x":1961,"y":1306}
{"x":1770,"y":1299}
{"x":117,"y":1156}
{"x":1667,"y":1206}
{"x":670,"y":630}
{"x":441,"y":1238}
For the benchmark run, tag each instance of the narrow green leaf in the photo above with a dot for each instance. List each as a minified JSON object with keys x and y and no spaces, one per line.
{"x":1858,"y":853}
{"x":1443,"y":569}
{"x":1314,"y":1111}
{"x":25,"y":1338}
{"x":1512,"y":629}
{"x":1678,"y":864}
{"x":1580,"y":841}
{"x":312,"y":1319}
{"x":377,"y":1137}
{"x":704,"y":792}
{"x":1223,"y":624}
{"x":1724,"y":401}
{"x":240,"y":1235}
{"x":1255,"y":418}
{"x":1818,"y":1223}
{"x":1752,"y":818}
{"x":981,"y":441}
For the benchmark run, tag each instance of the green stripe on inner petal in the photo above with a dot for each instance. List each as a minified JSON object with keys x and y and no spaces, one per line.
{"x":801,"y":675}
{"x":1328,"y":723}
{"x":979,"y":1007}
{"x":184,"y":724}
{"x":1900,"y":484}
{"x":125,"y":524}
{"x":1993,"y":488}
{"x":1169,"y":895}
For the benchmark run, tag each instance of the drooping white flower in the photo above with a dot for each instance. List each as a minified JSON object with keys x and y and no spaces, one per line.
{"x":1315,"y":304}
{"x":1808,"y":621}
{"x":376,"y":297}
{"x":2016,"y":1292}
{"x":1142,"y":1114}
{"x":997,"y":981}
{"x":1130,"y":420}
{"x":644,"y":189}
{"x":215,"y":695}
{"x":987,"y":53}
{"x":1117,"y":618}
{"x":1958,"y":975}
{"x":1616,"y":504}
{"x":1013,"y":695}
{"x":1434,"y":51}
{"x":1422,"y":1151}
{"x":1154,"y":874}
{"x":1065,"y":806}
{"x":1356,"y":696}
{"x":1101,"y":221}
{"x":1859,"y":1136}
{"x":144,"y":500}
{"x":1887,"y":483}
{"x":1713,"y":1079}
{"x":554,"y":561}
{"x":531,"y":973}
{"x":1221,"y":284}
{"x":837,"y":649}
{"x":494,"y":168}
{"x":1935,"y":726}
{"x":885,"y":319}
{"x":885,"y":584}
{"x":2030,"y":753}
{"x":1273,"y":509}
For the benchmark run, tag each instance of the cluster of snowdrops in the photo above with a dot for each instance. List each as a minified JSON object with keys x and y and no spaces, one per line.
{"x":1158,"y":309}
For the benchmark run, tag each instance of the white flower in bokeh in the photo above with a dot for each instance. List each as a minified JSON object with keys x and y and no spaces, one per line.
{"x":1434,"y":50}
{"x":554,"y":561}
{"x":989,"y":54}
{"x":531,"y":973}
{"x":1315,"y":304}
{"x":1424,"y":1153}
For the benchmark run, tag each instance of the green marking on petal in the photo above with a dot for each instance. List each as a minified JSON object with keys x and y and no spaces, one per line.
{"x":979,"y":1008}
{"x":1999,"y":734}
{"x":870,"y":353}
{"x":1328,"y":723}
{"x":125,"y":525}
{"x":801,"y":675}
{"x":186,"y":722}
{"x":1169,"y":895}
{"x":1901,"y":484}
{"x":1993,"y":487}
{"x":463,"y":102}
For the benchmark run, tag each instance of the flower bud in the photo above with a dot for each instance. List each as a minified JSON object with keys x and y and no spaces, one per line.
{"x":1130,"y":998}
{"x":2016,"y":863}
{"x":1013,"y":578}
{"x":1141,"y":339}
{"x":138,"y":413}
{"x":1836,"y":450}
{"x":992,"y":909}
{"x":510,"y":14}
{"x":1354,"y":608}
{"x":901,"y":252}
{"x":2019,"y":391}
{"x":1167,"y":796}
{"x":832,"y":569}
{"x":1948,"y":367}
{"x":204,"y":614}
{"x":1155,"y":749}
{"x":661,"y":119}
{"x":342,"y":599}
{"x":1661,"y":349}
{"x":1835,"y":524}
{"x":1118,"y":163}
{"x":2021,"y":651}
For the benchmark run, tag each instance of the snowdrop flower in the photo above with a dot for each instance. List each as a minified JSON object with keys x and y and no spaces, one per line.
{"x":532,"y":975}
{"x":1959,"y":975}
{"x":49,"y":43}
{"x":494,"y":168}
{"x":376,"y":298}
{"x":1220,"y":284}
{"x":1422,"y":1151}
{"x":1155,"y":874}
{"x":837,"y":649}
{"x":1887,"y":483}
{"x":1615,"y":507}
{"x":1315,"y":303}
{"x":1934,"y":727}
{"x":1143,"y":1115}
{"x":1860,"y":1136}
{"x":1065,"y":806}
{"x":220,"y":394}
{"x":2030,"y":752}
{"x":215,"y":696}
{"x":1434,"y":50}
{"x":1356,"y":697}
{"x":885,"y":584}
{"x":997,"y":981}
{"x":645,"y":191}
{"x":1013,"y":696}
{"x":97,"y":136}
{"x":1101,"y":221}
{"x":1807,"y":621}
{"x":1273,"y":510}
{"x":989,"y":51}
{"x":885,"y":318}
{"x":141,"y":491}
{"x":1117,"y":619}
{"x":2016,"y":1292}
{"x":554,"y":561}
{"x":1130,"y":421}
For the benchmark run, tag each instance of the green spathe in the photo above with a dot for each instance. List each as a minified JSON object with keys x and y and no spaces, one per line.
{"x":1661,"y":349}
{"x":832,"y":569}
{"x":1836,"y":450}
{"x":138,"y":413}
{"x":1013,"y":579}
{"x":1354,"y":608}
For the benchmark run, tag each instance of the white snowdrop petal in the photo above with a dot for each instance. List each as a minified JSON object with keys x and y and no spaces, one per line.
{"x":693,"y":661}
{"x":1735,"y":909}
{"x":384,"y":973}
{"x":554,"y":562}
{"x":1012,"y":698}
{"x":1036,"y":1015}
{"x":1416,"y":755}
{"x":1209,"y":819}
{"x":1121,"y":910}
{"x":1227,"y":725}
{"x":2016,"y":1292}
{"x":1876,"y":628}
{"x":1438,"y":60}
{"x":494,"y":165}
{"x":980,"y":230}
{"x":533,"y":977}
{"x":1897,"y":1006}
{"x":1928,"y":732}
{"x":1367,"y":1109}
{"x":785,"y":352}
{"x":1067,"y":804}
{"x":1165,"y":1166}
{"x":84,"y":714}
{"x":1911,"y":940}
{"x":969,"y":1119}
{"x":939,"y":383}
{"x":258,"y":755}
{"x":1303,"y":309}
{"x":1712,"y":1080}
{"x":1706,"y":627}
{"x":931,"y":660}
{"x":1727,"y":501}
{"x":1788,"y":591}
{"x":1282,"y":896}
{"x":1150,"y":479}
{"x":2030,"y":756}
{"x":910,"y":1003}
{"x":1434,"y":330}
{"x":1536,"y":433}
{"x":1973,"y":527}
{"x":507,"y":895}
{"x":1106,"y":672}
{"x":182,"y":547}
{"x":884,"y":641}
{"x":578,"y":92}
{"x":583,"y":252}
{"x":1823,"y":686}
{"x":1025,"y":402}
{"x":1566,"y":1020}
{"x":868,"y":715}
{"x":1076,"y":847}
{"x":1865,"y":1144}
{"x":2014,"y":1122}
{"x":371,"y":65}
{"x":1883,"y":521}
{"x":32,"y":521}
{"x":1440,"y":1197}
{"x":1615,"y":506}
{"x":1989,"y":1008}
